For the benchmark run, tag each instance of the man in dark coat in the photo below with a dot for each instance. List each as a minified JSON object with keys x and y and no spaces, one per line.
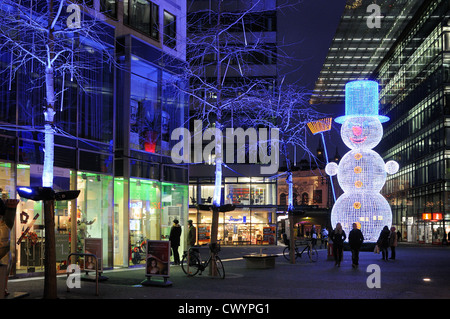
{"x":174,"y":237}
{"x":192,"y":234}
{"x":355,"y":239}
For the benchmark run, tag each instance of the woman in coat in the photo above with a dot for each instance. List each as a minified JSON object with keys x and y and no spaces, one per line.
{"x":392,"y":242}
{"x":383,"y":242}
{"x":338,"y":236}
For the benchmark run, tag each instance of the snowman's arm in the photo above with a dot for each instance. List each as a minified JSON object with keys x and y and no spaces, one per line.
{"x":391,"y":167}
{"x":331,"y":168}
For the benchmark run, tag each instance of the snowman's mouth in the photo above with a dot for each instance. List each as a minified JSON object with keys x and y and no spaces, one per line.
{"x":358,"y":140}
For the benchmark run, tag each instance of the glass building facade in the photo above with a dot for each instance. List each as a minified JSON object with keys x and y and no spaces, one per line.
{"x":358,"y":47}
{"x":253,"y":221}
{"x":111,"y":143}
{"x":414,"y":92}
{"x":409,"y":57}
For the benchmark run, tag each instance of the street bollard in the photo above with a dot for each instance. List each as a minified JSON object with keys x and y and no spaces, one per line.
{"x":330,"y":251}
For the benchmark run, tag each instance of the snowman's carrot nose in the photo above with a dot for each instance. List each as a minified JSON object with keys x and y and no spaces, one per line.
{"x":357,"y":130}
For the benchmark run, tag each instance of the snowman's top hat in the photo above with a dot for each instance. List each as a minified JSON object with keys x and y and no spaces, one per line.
{"x":361,"y":99}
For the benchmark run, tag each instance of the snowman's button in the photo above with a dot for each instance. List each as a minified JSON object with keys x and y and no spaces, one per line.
{"x":356,"y":205}
{"x":358,"y":156}
{"x":357,"y":169}
{"x":358,"y":184}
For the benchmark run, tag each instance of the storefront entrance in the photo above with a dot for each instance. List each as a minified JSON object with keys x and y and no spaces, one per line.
{"x":243,"y":226}
{"x":430,"y":232}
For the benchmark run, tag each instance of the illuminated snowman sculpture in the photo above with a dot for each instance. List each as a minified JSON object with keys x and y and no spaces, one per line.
{"x":362,"y":172}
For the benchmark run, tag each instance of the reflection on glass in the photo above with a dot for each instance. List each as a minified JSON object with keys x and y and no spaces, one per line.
{"x":144,"y":211}
{"x":145,"y":114}
{"x":93,"y":211}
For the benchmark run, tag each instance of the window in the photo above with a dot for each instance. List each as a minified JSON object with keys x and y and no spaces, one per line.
{"x":145,"y":112}
{"x":170,"y":30}
{"x":174,"y":109}
{"x":283,"y":199}
{"x":143,"y":16}
{"x":109,"y":7}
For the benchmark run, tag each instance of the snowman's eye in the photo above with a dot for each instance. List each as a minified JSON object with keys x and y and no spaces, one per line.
{"x":365,"y":125}
{"x":353,"y":124}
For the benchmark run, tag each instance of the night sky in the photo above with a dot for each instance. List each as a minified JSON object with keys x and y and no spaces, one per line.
{"x":310,"y":28}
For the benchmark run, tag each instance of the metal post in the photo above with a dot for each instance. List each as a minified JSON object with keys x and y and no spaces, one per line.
{"x":326,"y":157}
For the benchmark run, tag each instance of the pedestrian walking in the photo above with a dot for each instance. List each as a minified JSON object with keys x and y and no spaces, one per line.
{"x":192,"y":234}
{"x":338,"y":236}
{"x":324,"y":237}
{"x":383,"y":242}
{"x":392,"y":242}
{"x":174,"y":237}
{"x":355,"y":239}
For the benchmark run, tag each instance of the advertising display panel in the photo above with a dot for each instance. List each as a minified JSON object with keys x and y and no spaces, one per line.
{"x":93,"y":246}
{"x":158,"y":258}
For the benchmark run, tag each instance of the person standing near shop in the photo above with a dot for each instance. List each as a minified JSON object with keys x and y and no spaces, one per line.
{"x":392,"y":242}
{"x":355,"y":239}
{"x":174,"y":237}
{"x":192,"y":234}
{"x":7,"y":218}
{"x":338,"y":236}
{"x":324,"y":237}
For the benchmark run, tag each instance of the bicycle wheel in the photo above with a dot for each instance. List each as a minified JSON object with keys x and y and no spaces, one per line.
{"x":192,"y":267}
{"x":287,"y":255}
{"x":219,"y":268}
{"x":136,"y":259}
{"x":312,"y":253}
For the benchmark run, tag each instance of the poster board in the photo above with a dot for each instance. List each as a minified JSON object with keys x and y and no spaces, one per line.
{"x":157,"y":258}
{"x":269,"y":235}
{"x":204,"y":233}
{"x":62,"y":246}
{"x":93,"y":246}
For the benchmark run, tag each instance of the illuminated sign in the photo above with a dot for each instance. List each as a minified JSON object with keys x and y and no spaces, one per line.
{"x":237,"y":220}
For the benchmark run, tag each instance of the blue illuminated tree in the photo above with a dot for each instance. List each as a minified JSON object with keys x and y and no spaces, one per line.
{"x":286,"y":109}
{"x":226,"y":42}
{"x":46,"y":41}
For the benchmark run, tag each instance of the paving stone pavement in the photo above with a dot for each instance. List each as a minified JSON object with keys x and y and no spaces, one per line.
{"x":419,"y":272}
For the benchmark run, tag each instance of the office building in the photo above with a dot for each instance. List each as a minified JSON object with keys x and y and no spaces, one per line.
{"x":111,"y":138}
{"x":254,"y":194}
{"x":412,"y":70}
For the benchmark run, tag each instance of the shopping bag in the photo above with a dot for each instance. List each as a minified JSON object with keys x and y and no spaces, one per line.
{"x":376,"y":250}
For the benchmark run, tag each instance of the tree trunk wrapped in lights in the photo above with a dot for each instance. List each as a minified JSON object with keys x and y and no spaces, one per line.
{"x":287,"y":110}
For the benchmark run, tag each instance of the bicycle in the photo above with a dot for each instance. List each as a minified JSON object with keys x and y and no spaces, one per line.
{"x":310,"y":250}
{"x":138,"y":252}
{"x":192,"y":264}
